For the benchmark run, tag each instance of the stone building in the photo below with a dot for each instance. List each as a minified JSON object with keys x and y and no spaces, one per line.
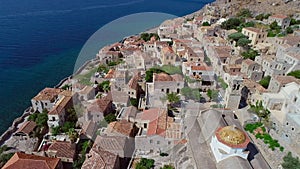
{"x":233,"y":92}
{"x":282,"y":20}
{"x":252,"y":70}
{"x":255,"y":35}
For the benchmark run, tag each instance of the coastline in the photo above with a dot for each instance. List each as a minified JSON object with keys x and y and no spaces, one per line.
{"x":17,"y":122}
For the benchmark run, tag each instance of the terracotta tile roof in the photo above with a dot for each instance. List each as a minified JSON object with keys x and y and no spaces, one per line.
{"x":167,"y":49}
{"x":67,"y":93}
{"x":100,"y":105}
{"x":158,"y":125}
{"x":280,"y":16}
{"x":150,"y":114}
{"x":48,"y":94}
{"x":26,"y":161}
{"x":27,"y":127}
{"x":199,"y":68}
{"x":222,"y":51}
{"x":111,"y":144}
{"x":63,"y":149}
{"x":162,"y":77}
{"x":110,"y":74}
{"x":248,"y":62}
{"x":60,"y":105}
{"x":254,"y":85}
{"x":253,"y":29}
{"x":177,"y":77}
{"x":123,"y":127}
{"x":119,"y":96}
{"x":100,"y":159}
{"x":133,"y":83}
{"x":89,"y":128}
{"x":286,"y":79}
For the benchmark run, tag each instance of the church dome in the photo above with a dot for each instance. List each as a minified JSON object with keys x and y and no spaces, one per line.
{"x":232,"y":136}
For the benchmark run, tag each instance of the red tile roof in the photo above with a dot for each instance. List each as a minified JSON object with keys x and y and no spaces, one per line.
{"x":100,"y":159}
{"x":27,"y":127}
{"x":63,"y":149}
{"x":133,"y":83}
{"x":280,"y":16}
{"x":123,"y":127}
{"x":48,"y":94}
{"x":248,"y":62}
{"x":26,"y":161}
{"x":60,"y":105}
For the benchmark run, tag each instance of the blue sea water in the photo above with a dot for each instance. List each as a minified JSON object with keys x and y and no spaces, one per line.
{"x":40,"y":40}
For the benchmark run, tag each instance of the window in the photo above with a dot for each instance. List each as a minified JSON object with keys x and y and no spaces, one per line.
{"x":151,"y":141}
{"x":295,"y":99}
{"x":178,"y":91}
{"x":168,"y":90}
{"x":293,"y":128}
{"x":287,"y":123}
{"x":162,"y":90}
{"x":158,"y":142}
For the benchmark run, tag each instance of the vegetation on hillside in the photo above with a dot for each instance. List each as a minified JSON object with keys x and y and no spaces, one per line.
{"x":147,"y":36}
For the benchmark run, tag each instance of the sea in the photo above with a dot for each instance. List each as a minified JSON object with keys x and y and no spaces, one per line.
{"x":42,"y":40}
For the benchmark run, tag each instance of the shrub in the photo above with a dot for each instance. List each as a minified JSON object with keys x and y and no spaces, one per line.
{"x":295,"y":73}
{"x":265,"y":81}
{"x":110,"y":118}
{"x":231,"y":23}
{"x":205,"y":24}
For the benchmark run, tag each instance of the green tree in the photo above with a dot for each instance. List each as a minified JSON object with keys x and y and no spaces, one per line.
{"x":104,"y":86}
{"x":260,"y":17}
{"x":193,"y":94}
{"x":167,"y":167}
{"x":295,"y":73}
{"x":149,"y":74}
{"x":205,"y":24}
{"x":73,"y":135}
{"x":110,"y":118}
{"x":173,"y":98}
{"x":274,"y":26}
{"x":134,"y":102}
{"x":243,"y":42}
{"x":290,"y":162}
{"x":294,"y":21}
{"x":147,"y":36}
{"x":71,"y":115}
{"x":42,"y":119}
{"x":265,"y":81}
{"x":231,"y":23}
{"x":250,"y":54}
{"x":102,"y":68}
{"x":67,"y":126}
{"x":212,"y":94}
{"x":145,"y":164}
{"x":289,"y":30}
{"x":260,"y":111}
{"x":236,"y":36}
{"x":55,"y":130}
{"x":33,"y":117}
